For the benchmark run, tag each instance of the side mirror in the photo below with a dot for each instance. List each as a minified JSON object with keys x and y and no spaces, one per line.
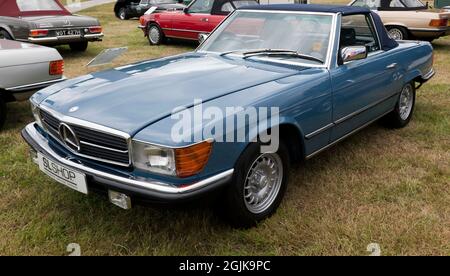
{"x":353,"y":53}
{"x":185,"y":10}
{"x":202,"y":37}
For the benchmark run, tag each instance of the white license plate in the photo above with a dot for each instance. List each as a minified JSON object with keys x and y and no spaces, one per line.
{"x":62,"y":174}
{"x":68,"y":32}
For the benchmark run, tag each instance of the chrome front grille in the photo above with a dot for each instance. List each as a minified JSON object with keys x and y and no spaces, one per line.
{"x":93,"y":144}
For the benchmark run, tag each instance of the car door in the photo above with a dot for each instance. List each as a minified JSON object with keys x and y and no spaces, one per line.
{"x":363,"y":90}
{"x":193,"y":21}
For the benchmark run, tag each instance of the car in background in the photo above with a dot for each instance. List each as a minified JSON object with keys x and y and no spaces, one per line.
{"x":409,"y":19}
{"x":326,"y":72}
{"x":126,"y":9}
{"x":200,"y":17}
{"x":47,"y":22}
{"x":24,"y":69}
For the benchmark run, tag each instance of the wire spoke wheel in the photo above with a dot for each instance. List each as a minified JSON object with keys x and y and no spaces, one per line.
{"x":154,"y":34}
{"x":396,"y":34}
{"x":263,"y":182}
{"x":406,"y":102}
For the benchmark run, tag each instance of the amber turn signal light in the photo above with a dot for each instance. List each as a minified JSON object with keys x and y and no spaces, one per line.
{"x":193,"y":159}
{"x":56,"y":67}
{"x":438,"y":23}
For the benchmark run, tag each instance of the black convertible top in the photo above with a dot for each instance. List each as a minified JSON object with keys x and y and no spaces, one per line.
{"x":344,"y":10}
{"x":387,"y":43}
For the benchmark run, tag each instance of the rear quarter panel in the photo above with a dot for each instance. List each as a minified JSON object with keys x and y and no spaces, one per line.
{"x":26,"y":66}
{"x":19,"y":29}
{"x":415,"y":59}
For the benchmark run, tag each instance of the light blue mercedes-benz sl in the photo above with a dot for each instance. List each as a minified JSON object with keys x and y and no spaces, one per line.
{"x":271,"y":85}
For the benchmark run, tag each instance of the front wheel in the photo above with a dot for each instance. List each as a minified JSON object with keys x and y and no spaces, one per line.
{"x":155,"y":34}
{"x":258,"y":186}
{"x":2,"y":112}
{"x":404,"y":108}
{"x":79,"y":46}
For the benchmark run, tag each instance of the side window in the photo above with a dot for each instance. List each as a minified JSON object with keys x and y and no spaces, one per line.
{"x":358,"y":30}
{"x":396,"y":4}
{"x":227,"y":7}
{"x":201,"y":6}
{"x":144,"y":2}
{"x":371,"y":4}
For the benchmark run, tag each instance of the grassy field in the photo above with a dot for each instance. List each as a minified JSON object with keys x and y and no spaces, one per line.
{"x":390,"y":187}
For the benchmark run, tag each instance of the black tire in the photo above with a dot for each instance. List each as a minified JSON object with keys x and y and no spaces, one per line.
{"x":79,"y":46}
{"x":156,"y":39}
{"x":398,"y":32}
{"x":2,"y":112}
{"x":5,"y":35}
{"x":397,"y":119}
{"x":122,"y":14}
{"x":234,"y":205}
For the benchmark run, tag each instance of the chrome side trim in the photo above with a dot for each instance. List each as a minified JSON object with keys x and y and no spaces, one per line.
{"x":346,"y":135}
{"x":146,"y":185}
{"x":34,"y":85}
{"x":359,"y":111}
{"x":317,"y":132}
{"x":428,"y":29}
{"x":345,"y":118}
{"x":182,"y":30}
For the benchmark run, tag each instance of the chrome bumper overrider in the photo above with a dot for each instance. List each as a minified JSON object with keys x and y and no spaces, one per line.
{"x":40,"y":143}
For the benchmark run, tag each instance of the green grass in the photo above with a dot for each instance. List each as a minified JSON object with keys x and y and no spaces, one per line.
{"x":391,"y":187}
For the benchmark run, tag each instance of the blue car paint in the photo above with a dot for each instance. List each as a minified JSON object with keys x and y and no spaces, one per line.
{"x":134,"y":98}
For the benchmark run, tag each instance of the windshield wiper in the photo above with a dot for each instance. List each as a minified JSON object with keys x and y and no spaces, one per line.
{"x":280,"y":52}
{"x":255,"y":51}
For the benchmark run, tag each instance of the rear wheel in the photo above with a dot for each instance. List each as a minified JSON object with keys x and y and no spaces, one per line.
{"x":404,"y":108}
{"x":79,"y":46}
{"x":397,"y":32}
{"x":258,"y":186}
{"x":5,"y":35}
{"x":123,"y":14}
{"x":155,"y":34}
{"x":2,"y":112}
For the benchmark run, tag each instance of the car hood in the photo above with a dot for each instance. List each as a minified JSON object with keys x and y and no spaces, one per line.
{"x":130,"y":98}
{"x":61,"y":21}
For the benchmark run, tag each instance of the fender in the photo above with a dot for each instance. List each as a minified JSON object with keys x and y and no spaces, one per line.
{"x":7,"y":29}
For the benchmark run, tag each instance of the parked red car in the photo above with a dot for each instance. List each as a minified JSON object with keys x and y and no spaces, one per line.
{"x":200,"y":17}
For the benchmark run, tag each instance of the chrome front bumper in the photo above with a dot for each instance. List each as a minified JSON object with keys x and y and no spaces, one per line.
{"x":150,"y":188}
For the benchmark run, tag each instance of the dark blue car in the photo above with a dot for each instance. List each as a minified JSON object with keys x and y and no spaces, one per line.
{"x":270,"y":86}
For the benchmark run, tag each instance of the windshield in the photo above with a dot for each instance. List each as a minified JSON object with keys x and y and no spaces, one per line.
{"x":303,"y":33}
{"x":239,"y":4}
{"x":38,"y":5}
{"x":164,"y":2}
{"x":413,"y":3}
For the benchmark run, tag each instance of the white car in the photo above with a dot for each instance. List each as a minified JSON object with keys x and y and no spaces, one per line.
{"x":25,"y":68}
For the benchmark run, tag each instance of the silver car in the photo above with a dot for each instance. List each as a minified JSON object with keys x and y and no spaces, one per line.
{"x":25,"y":68}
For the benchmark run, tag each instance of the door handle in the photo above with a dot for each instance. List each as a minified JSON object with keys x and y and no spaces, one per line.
{"x":205,"y":19}
{"x":391,"y":66}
